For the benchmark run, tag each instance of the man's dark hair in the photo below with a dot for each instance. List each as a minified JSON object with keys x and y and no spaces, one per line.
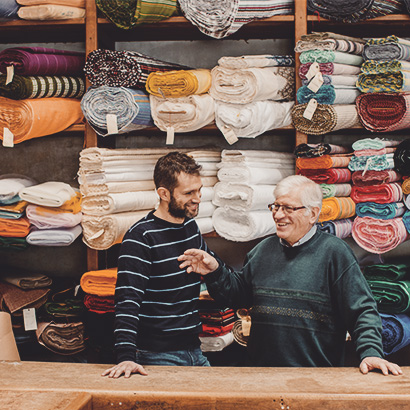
{"x":168,"y":168}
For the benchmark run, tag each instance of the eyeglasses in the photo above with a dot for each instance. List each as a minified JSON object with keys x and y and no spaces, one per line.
{"x":285,"y":208}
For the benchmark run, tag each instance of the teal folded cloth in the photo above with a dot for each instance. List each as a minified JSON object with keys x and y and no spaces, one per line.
{"x":328,"y":94}
{"x":391,"y":297}
{"x":380,"y":211}
{"x":329,"y":56}
{"x":387,"y":271}
{"x":406,"y":221}
{"x":371,"y":162}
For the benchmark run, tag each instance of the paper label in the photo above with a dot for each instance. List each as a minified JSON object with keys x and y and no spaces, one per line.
{"x":246,"y":327}
{"x":10,"y":74}
{"x":76,"y":289}
{"x":229,"y":134}
{"x":310,"y":109}
{"x":316,"y":82}
{"x":170,"y":136}
{"x":112,"y":124}
{"x":313,"y":70}
{"x":96,"y":235}
{"x":30,"y":321}
{"x":8,"y":138}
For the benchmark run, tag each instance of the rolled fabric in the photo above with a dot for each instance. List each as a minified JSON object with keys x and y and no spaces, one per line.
{"x":384,"y":66}
{"x":11,"y":185}
{"x":253,"y":119}
{"x":53,"y":237}
{"x":22,"y":87}
{"x":372,"y":162}
{"x":240,"y":226}
{"x":257,"y":157}
{"x":406,"y":188}
{"x":51,"y":193}
{"x":34,"y":118}
{"x":42,"y":61}
{"x":14,"y":228}
{"x":216,"y":343}
{"x":374,"y":143}
{"x":327,"y":176}
{"x":345,"y":46}
{"x":330,"y":56}
{"x":395,"y":332}
{"x":402,"y":157}
{"x":407,"y":201}
{"x":130,"y":109}
{"x":328,"y":94}
{"x":252,"y":84}
{"x":127,"y":14}
{"x":13,"y":211}
{"x":253,"y":175}
{"x":99,"y":282}
{"x":371,"y":177}
{"x":325,"y":119}
{"x":243,"y":197}
{"x":49,"y":218}
{"x":377,"y":235}
{"x":381,"y":211}
{"x":50,"y":12}
{"x":390,"y":82}
{"x":73,"y":3}
{"x":336,"y":80}
{"x":342,"y":228}
{"x":386,"y":272}
{"x":206,"y":209}
{"x":330,"y":190}
{"x":317,"y":150}
{"x":406,"y":220}
{"x":99,"y":304}
{"x":391,"y":297}
{"x":8,"y":10}
{"x":102,"y":232}
{"x":252,"y":61}
{"x":15,"y":244}
{"x":237,"y":333}
{"x":381,"y":194}
{"x":323,"y":162}
{"x":337,"y":208}
{"x":180,"y":83}
{"x":27,"y":280}
{"x":387,"y":48}
{"x":330,"y":69}
{"x":370,"y":152}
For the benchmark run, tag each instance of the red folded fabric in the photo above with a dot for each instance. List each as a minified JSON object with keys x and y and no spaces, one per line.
{"x":327,"y":176}
{"x":381,"y":194}
{"x":215,"y":330}
{"x":99,"y":304}
{"x":375,"y":177}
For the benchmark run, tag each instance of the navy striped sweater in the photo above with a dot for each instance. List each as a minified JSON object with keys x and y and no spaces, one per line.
{"x":156,"y":302}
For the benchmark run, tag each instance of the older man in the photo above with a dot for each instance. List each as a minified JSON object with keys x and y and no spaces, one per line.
{"x":304,"y":289}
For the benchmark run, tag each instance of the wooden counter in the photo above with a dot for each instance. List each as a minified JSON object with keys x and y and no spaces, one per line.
{"x":221,"y":388}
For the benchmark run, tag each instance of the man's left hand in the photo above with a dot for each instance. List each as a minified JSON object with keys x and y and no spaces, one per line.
{"x":370,"y":363}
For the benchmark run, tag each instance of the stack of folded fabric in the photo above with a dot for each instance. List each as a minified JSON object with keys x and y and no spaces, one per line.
{"x":54,"y":210}
{"x":247,"y":179}
{"x":252,"y":94}
{"x":314,"y":161}
{"x":9,"y":10}
{"x":28,"y":75}
{"x":51,"y":9}
{"x":385,"y":80}
{"x":329,"y":71}
{"x":377,"y":193}
{"x":219,"y":19}
{"x":402,"y":165}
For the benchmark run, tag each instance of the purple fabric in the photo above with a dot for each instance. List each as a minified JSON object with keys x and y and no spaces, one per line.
{"x":42,"y":61}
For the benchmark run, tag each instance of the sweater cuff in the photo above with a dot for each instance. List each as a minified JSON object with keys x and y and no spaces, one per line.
{"x":125,"y":355}
{"x":371,"y":352}
{"x":213,"y":276}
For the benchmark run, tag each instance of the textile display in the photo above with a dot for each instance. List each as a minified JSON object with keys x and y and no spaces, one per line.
{"x":34,"y":118}
{"x":336,"y":80}
{"x":253,"y":119}
{"x":130,"y":107}
{"x":13,"y":211}
{"x":391,"y":297}
{"x":406,"y":219}
{"x":243,"y":197}
{"x":205,"y":225}
{"x":330,"y":190}
{"x":61,"y":338}
{"x":8,"y":10}
{"x":327,"y":176}
{"x":316,"y":150}
{"x":14,"y":228}
{"x":381,"y":194}
{"x":51,"y":193}
{"x":337,"y":208}
{"x":49,"y":218}
{"x":373,"y":143}
{"x":342,"y":228}
{"x":386,"y":272}
{"x":381,"y":211}
{"x":395,"y":333}
{"x":206,"y":209}
{"x":346,"y":46}
{"x":253,"y":61}
{"x":11,"y":185}
{"x":406,"y":187}
{"x":323,"y":162}
{"x":50,"y":12}
{"x":127,"y":14}
{"x":67,"y":309}
{"x":53,"y":237}
{"x":254,"y":175}
{"x":102,"y":232}
{"x":117,"y":187}
{"x":262,"y":158}
{"x":15,"y":244}
{"x":371,"y":162}
{"x":22,"y":87}
{"x":42,"y":61}
{"x":99,"y":282}
{"x":325,"y":35}
{"x":242,"y":226}
{"x":252,"y":84}
{"x":384,"y":66}
{"x":99,"y":304}
{"x":326,"y":118}
{"x":329,"y":56}
{"x":328,"y":94}
{"x":216,"y":343}
{"x":402,"y":157}
{"x":73,"y":3}
{"x":387,"y":48}
{"x":180,"y":83}
{"x":27,"y":280}
{"x":334,"y":69}
{"x":391,"y":82}
{"x":377,"y":235}
{"x":123,"y":68}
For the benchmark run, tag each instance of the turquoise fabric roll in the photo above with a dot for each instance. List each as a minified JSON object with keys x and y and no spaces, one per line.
{"x":380,"y":211}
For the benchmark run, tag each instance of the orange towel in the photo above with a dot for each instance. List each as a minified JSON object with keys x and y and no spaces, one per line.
{"x":323,"y":162}
{"x":99,"y":282}
{"x":337,"y":208}
{"x":14,"y":228}
{"x":17,"y":208}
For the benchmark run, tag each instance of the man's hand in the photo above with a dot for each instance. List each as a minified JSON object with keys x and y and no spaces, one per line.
{"x":198,"y":261}
{"x":127,"y":368}
{"x":371,"y":363}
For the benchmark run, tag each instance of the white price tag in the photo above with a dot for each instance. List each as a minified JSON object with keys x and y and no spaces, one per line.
{"x":313,"y":70}
{"x":30,"y":321}
{"x":112,"y":124}
{"x":229,"y":134}
{"x":316,"y":82}
{"x":310,"y":109}
{"x":10,"y":74}
{"x":8,"y":138}
{"x":170,"y":136}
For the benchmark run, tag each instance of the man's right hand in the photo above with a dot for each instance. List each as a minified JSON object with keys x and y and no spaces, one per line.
{"x":126,"y":368}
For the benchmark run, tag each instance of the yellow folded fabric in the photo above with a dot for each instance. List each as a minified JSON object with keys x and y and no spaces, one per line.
{"x":17,"y":208}
{"x":99,"y":282}
{"x":337,"y":208}
{"x":180,"y":83}
{"x":14,"y":228}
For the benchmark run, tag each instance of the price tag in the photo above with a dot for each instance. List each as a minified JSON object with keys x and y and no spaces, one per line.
{"x":76,"y":289}
{"x":313,"y":70}
{"x":310,"y":109}
{"x":30,"y":321}
{"x":10,"y":74}
{"x":112,"y":125}
{"x":170,"y":136}
{"x":316,"y":82}
{"x":8,"y":138}
{"x":229,"y":134}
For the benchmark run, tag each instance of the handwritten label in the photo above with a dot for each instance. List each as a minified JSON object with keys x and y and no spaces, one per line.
{"x":313,"y":70}
{"x":310,"y":109}
{"x":8,"y":138}
{"x":112,"y":124}
{"x":29,"y":317}
{"x":316,"y":83}
{"x":170,"y":136}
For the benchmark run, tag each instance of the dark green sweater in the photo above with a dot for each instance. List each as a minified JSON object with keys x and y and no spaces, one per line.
{"x":303,"y":301}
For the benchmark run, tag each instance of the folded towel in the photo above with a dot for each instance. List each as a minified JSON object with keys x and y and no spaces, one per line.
{"x":371,"y":177}
{"x":50,"y":193}
{"x":99,"y":304}
{"x":14,"y":228}
{"x":374,"y":143}
{"x":50,"y":12}
{"x":49,"y":218}
{"x":11,"y":185}
{"x":395,"y":333}
{"x":99,"y":282}
{"x":317,"y":150}
{"x":253,"y":61}
{"x":216,"y":343}
{"x":26,"y":280}
{"x":382,"y":211}
{"x":53,"y":237}
{"x":337,"y":208}
{"x":13,"y":244}
{"x":381,"y":194}
{"x":328,"y":94}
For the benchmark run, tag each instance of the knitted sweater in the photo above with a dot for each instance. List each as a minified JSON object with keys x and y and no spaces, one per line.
{"x":156,"y":301}
{"x":303,"y":299}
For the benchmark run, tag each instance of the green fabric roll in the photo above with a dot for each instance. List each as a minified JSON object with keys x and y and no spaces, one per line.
{"x":70,"y":307}
{"x":13,"y":244}
{"x":386,"y":272}
{"x":391,"y":297}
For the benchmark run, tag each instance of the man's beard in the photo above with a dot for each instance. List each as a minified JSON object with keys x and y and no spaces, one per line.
{"x":180,"y":212}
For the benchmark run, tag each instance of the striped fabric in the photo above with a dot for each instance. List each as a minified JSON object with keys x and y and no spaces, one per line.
{"x":370,"y":177}
{"x":330,"y":190}
{"x":398,"y":81}
{"x":337,"y":208}
{"x":330,"y":69}
{"x":329,"y":56}
{"x":369,"y":152}
{"x":381,"y":194}
{"x":123,"y":68}
{"x":382,"y":211}
{"x":373,"y":162}
{"x":344,"y":46}
{"x":317,"y":150}
{"x":384,"y":66}
{"x":327,"y":176}
{"x":249,"y":61}
{"x":323,"y":162}
{"x":387,"y":48}
{"x":342,"y":228}
{"x":41,"y":87}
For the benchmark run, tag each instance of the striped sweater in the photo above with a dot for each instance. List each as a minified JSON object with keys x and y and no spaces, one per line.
{"x":156,"y":301}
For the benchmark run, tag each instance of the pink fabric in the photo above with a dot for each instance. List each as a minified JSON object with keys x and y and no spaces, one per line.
{"x":381,"y":194}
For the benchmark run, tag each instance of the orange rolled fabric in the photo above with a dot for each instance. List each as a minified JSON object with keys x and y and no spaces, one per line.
{"x":337,"y":208}
{"x":406,"y":186}
{"x":38,"y":117}
{"x":323,"y":162}
{"x":14,"y":228}
{"x":99,"y":282}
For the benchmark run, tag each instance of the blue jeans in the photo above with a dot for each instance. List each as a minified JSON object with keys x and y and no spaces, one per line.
{"x":190,"y":357}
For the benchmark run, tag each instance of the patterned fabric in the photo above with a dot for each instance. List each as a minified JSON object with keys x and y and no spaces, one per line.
{"x":41,"y":86}
{"x":337,"y":208}
{"x":342,"y":228}
{"x":381,"y":194}
{"x":323,"y":162}
{"x":374,"y":143}
{"x":127,"y":14}
{"x":390,"y":82}
{"x":317,"y":150}
{"x":249,"y":61}
{"x":329,"y":56}
{"x":328,"y":94}
{"x":330,"y":69}
{"x":375,"y":177}
{"x":384,"y":66}
{"x":123,"y":68}
{"x":372,"y":162}
{"x":345,"y":46}
{"x":42,"y":61}
{"x":382,"y":211}
{"x":327,"y":176}
{"x":387,"y":48}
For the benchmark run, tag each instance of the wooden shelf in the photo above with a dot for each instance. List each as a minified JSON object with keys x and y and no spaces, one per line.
{"x":391,"y":18}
